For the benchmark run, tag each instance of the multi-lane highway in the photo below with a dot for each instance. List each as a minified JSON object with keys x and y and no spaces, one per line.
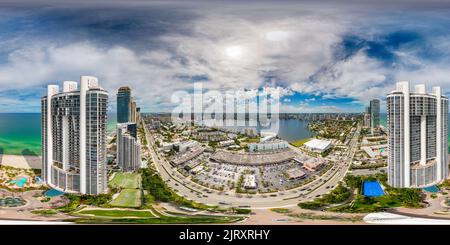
{"x":183,"y":186}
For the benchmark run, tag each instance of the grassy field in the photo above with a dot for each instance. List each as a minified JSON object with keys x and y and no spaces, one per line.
{"x":126,"y":180}
{"x":117,"y":213}
{"x":128,"y":198}
{"x":300,"y":142}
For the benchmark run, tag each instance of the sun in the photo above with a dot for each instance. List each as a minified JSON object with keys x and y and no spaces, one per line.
{"x":234,"y":52}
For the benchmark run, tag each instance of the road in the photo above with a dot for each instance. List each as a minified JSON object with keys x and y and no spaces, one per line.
{"x":397,"y":219}
{"x":289,"y":198}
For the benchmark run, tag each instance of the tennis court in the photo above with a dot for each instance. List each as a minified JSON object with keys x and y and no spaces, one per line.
{"x":372,"y":189}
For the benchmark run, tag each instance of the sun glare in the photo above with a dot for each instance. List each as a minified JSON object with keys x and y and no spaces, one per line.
{"x":234,"y":52}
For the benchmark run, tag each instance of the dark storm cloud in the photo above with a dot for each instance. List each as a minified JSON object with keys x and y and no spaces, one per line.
{"x":137,"y":28}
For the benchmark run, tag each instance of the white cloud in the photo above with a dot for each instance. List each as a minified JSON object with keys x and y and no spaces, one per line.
{"x":285,"y":52}
{"x":358,"y":77}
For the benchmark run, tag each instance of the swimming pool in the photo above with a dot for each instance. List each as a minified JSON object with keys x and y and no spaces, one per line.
{"x":11,"y":202}
{"x":432,"y":189}
{"x":53,"y":193}
{"x":20,"y":182}
{"x":372,"y":189}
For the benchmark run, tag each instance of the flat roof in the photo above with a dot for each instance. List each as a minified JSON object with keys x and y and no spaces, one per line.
{"x":245,"y":158}
{"x":318,"y":144}
{"x":295,"y":173}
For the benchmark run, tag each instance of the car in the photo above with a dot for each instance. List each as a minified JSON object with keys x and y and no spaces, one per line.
{"x":244,"y":206}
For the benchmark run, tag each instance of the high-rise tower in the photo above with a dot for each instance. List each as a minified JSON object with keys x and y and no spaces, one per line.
{"x":74,"y":137}
{"x":374,"y":114}
{"x":123,"y":105}
{"x":128,"y":147}
{"x":417,"y":126}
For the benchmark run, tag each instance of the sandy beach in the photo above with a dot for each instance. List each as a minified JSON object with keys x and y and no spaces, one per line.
{"x":21,"y":161}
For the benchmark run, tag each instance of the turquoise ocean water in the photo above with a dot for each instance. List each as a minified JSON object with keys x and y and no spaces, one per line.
{"x":20,"y":133}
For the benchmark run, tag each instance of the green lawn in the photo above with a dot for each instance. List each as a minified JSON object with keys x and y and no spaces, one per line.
{"x":300,"y":142}
{"x":117,"y":213}
{"x":192,"y":219}
{"x":126,"y":180}
{"x":128,"y":198}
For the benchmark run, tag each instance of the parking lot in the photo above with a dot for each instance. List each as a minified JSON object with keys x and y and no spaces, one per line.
{"x":270,"y":178}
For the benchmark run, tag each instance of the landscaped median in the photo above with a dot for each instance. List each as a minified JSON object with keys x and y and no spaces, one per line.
{"x":337,"y":195}
{"x":115,"y":213}
{"x":149,"y":216}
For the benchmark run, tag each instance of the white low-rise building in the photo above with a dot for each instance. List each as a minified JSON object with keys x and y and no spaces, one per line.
{"x":166,"y":146}
{"x":186,"y":145}
{"x":272,"y":145}
{"x":197,"y":169}
{"x":226,"y":143}
{"x":317,"y":145}
{"x":249,"y":181}
{"x":375,"y":150}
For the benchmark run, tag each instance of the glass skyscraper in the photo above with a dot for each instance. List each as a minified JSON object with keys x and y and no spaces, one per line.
{"x":374,"y":113}
{"x":123,"y":105}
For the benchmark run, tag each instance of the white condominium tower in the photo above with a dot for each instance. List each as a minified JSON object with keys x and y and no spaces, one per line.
{"x":128,"y":147}
{"x":417,"y":126}
{"x":74,"y":137}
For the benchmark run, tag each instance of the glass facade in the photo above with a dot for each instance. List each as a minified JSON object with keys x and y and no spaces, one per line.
{"x":375,"y":113}
{"x":123,"y":105}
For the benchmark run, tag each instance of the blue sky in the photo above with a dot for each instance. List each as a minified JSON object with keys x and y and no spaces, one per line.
{"x":323,"y":57}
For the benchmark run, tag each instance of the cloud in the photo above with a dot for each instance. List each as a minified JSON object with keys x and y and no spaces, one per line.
{"x":156,"y":49}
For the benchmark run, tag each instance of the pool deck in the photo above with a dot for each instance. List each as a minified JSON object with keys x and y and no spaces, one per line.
{"x":23,"y":213}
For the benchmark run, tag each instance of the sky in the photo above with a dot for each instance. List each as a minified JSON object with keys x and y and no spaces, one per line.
{"x":332,"y":56}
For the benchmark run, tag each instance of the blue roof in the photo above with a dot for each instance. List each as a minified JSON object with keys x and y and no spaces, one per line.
{"x":372,"y":189}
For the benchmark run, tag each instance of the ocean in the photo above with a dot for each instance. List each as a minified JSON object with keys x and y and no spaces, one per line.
{"x":20,"y":133}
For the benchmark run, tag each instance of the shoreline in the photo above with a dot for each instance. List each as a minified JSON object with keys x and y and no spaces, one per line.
{"x":21,"y":161}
